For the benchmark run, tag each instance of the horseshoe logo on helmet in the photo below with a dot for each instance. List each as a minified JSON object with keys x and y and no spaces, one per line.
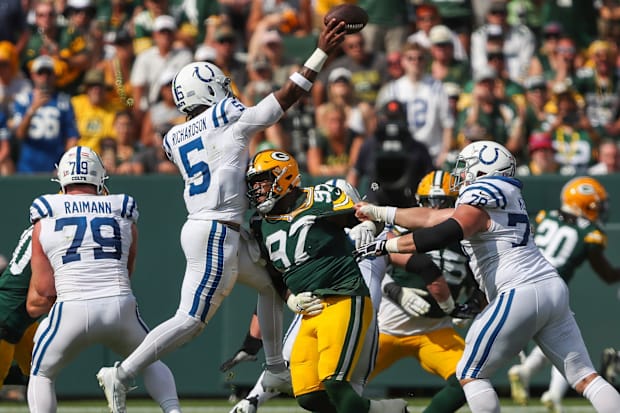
{"x":197,"y":74}
{"x":491,"y":161}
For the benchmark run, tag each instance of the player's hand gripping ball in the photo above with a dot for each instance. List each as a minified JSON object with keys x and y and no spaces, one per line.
{"x":354,"y":16}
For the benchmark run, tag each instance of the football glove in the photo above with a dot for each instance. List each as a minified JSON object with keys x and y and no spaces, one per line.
{"x":363,"y":233}
{"x":409,"y":299}
{"x":239,"y":357}
{"x":374,"y":249}
{"x":305,"y":303}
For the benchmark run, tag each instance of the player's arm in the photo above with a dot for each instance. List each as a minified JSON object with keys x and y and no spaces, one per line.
{"x":601,"y":265}
{"x":410,"y":218}
{"x":42,"y":290}
{"x":301,"y":82}
{"x":133,"y":250}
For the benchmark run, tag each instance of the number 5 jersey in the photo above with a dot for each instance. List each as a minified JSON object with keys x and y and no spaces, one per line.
{"x":79,"y":233}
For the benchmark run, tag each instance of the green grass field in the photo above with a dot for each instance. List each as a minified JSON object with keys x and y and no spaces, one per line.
{"x":274,"y":406}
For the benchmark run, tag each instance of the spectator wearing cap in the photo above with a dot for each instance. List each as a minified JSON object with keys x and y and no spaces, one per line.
{"x":458,"y":16}
{"x":518,"y":42}
{"x":143,"y":23}
{"x":94,"y":115}
{"x":536,"y":96}
{"x":117,"y":70}
{"x":496,"y":116}
{"x":545,"y":58}
{"x":360,"y":116}
{"x":444,"y":66}
{"x":541,"y":157}
{"x":368,"y":71}
{"x":387,"y":26}
{"x":336,"y":147}
{"x":573,"y":138}
{"x":153,"y":62}
{"x":427,"y":18}
{"x":44,"y":121}
{"x":261,"y":80}
{"x":608,"y":158}
{"x":428,"y":113}
{"x":599,"y":85}
{"x":225,"y":45}
{"x":270,"y":45}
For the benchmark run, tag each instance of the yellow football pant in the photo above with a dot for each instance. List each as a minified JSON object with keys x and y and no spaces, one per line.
{"x":20,"y":352}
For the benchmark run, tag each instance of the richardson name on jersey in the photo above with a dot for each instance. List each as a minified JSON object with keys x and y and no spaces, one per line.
{"x":78,"y":207}
{"x":190,"y":130}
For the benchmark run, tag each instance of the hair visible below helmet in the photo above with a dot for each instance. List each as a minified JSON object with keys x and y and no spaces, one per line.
{"x":275,"y":166}
{"x":345,"y":187}
{"x":481,"y":158}
{"x":81,"y":165}
{"x":199,"y":84}
{"x":434,"y":190}
{"x":584,"y":197}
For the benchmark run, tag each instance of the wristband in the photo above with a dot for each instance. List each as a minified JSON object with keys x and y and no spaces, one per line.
{"x":447,"y":306}
{"x":391,"y":245}
{"x":301,"y":81}
{"x":316,"y":61}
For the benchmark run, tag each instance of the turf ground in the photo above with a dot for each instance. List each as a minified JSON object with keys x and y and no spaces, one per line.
{"x":274,"y":406}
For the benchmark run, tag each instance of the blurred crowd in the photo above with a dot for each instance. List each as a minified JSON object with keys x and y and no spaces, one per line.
{"x":423,"y":79}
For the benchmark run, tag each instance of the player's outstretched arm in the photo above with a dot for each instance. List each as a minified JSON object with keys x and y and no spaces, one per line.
{"x":42,"y":289}
{"x":301,"y":82}
{"x":410,"y":218}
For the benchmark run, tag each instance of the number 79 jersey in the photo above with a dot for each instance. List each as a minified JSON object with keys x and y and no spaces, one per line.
{"x":86,"y":239}
{"x":505,"y":255}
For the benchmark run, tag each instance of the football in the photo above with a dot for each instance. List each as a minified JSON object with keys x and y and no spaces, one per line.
{"x":354,"y":16}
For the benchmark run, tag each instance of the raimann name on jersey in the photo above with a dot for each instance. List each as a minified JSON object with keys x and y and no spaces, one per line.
{"x":313,"y":253}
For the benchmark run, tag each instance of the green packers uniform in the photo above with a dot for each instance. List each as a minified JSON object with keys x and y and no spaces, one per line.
{"x":314,"y":254}
{"x":16,"y":326}
{"x":565,"y":240}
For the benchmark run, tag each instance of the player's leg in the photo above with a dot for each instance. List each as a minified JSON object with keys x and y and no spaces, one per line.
{"x":519,"y":375}
{"x":131,"y":330}
{"x":561,"y":341}
{"x":23,"y":349}
{"x":58,"y":340}
{"x":439,"y":353}
{"x":269,"y":307}
{"x":211,"y":271}
{"x":7,"y":350}
{"x":558,"y":386}
{"x":499,"y":332}
{"x":390,"y":350}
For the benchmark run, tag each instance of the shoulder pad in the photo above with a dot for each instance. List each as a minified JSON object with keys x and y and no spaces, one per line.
{"x":39,"y":209}
{"x":129,"y":207}
{"x":540,"y":216}
{"x":339,"y":199}
{"x":226,"y":111}
{"x":483,"y":193}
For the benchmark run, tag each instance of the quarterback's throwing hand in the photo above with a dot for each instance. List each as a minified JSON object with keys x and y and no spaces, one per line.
{"x":374,"y":249}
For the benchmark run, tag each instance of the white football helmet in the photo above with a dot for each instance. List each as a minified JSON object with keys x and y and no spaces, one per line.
{"x":345,"y":187}
{"x":199,"y":83}
{"x":81,"y":165}
{"x":481,"y":158}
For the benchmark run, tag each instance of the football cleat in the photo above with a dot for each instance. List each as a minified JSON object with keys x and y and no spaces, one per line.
{"x":115,"y":391}
{"x":388,"y":406}
{"x":239,"y":357}
{"x":247,"y":405}
{"x":610,"y":365}
{"x":277,"y":382}
{"x":552,"y":404}
{"x":519,"y":385}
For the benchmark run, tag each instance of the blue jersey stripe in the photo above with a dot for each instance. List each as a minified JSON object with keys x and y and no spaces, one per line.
{"x":488,"y":191}
{"x":124,"y":208}
{"x":207,"y":273}
{"x":223,"y":111}
{"x":37,"y":365}
{"x":218,"y":273}
{"x":216,"y":123}
{"x":47,"y":205}
{"x":493,"y":336}
{"x":133,"y":207}
{"x":51,"y":317}
{"x":141,"y":321}
{"x":499,"y":190}
{"x":38,"y":208}
{"x":480,"y":338}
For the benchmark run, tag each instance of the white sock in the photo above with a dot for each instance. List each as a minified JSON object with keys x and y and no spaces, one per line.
{"x":534,"y":361}
{"x":269,"y":313}
{"x":259,"y":392}
{"x":558,"y":385}
{"x":41,"y":395}
{"x":160,"y":385}
{"x":481,"y":396}
{"x":604,"y":398}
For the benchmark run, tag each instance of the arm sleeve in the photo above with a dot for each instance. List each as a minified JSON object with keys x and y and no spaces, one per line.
{"x":257,"y":118}
{"x":423,"y":265}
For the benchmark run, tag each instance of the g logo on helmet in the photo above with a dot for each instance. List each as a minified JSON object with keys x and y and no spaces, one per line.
{"x":280,"y":156}
{"x":490,"y":162}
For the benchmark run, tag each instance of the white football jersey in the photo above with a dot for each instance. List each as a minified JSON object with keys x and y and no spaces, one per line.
{"x":87,"y":240}
{"x":428,"y":111}
{"x":505,"y":255}
{"x":211,"y":151}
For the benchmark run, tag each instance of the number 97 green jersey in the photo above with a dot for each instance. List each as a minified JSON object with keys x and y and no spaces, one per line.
{"x":311,"y":251}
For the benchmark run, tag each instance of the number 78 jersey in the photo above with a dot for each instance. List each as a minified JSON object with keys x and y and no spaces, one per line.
{"x":505,"y":255}
{"x":86,"y":239}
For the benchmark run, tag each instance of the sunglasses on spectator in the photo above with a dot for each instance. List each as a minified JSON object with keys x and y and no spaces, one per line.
{"x":48,"y":72}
